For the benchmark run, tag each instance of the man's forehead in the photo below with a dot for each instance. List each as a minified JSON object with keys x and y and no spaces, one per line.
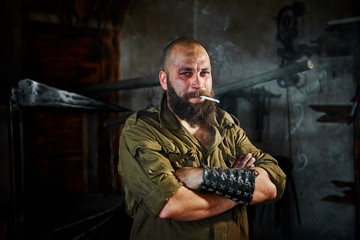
{"x":189,"y":57}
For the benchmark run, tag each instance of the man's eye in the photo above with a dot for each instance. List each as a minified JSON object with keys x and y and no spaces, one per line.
{"x":186,"y":73}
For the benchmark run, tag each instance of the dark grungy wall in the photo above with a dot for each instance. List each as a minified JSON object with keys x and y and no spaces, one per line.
{"x":241,"y":39}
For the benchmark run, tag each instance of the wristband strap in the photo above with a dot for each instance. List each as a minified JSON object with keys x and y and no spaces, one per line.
{"x":237,"y":184}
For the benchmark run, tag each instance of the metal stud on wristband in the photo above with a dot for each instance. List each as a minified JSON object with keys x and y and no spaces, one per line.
{"x":237,"y":184}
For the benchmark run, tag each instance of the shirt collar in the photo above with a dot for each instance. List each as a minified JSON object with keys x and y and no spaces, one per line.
{"x":167,"y":118}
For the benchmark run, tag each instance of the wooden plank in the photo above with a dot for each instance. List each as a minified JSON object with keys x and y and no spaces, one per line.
{"x":333,"y":113}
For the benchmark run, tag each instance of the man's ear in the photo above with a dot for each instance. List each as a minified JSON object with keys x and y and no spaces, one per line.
{"x":163,"y":80}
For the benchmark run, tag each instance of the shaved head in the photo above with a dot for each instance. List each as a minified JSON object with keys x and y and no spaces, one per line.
{"x":184,"y":42}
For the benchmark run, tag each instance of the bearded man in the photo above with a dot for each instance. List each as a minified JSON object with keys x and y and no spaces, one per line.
{"x":189,"y":169}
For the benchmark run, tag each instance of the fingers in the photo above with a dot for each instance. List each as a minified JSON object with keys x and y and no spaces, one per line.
{"x":250,"y":163}
{"x":245,"y":161}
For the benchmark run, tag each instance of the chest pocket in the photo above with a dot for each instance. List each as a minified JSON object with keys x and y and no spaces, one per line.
{"x":188,"y":159}
{"x":181,"y":157}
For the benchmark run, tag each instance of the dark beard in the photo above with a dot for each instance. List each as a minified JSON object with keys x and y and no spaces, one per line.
{"x":195,"y":114}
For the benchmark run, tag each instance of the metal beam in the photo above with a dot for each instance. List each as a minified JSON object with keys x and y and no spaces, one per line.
{"x":35,"y":94}
{"x":265,"y":77}
{"x":153,"y":81}
{"x":132,"y":83}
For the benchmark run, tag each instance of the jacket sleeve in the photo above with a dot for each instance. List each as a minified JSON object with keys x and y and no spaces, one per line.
{"x":148,"y":173}
{"x":263,"y":160}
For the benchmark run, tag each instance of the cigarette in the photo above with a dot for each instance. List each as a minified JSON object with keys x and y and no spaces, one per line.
{"x":210,"y":99}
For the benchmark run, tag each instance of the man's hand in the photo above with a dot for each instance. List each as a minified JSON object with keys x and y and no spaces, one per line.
{"x":190,"y":176}
{"x":244,"y":161}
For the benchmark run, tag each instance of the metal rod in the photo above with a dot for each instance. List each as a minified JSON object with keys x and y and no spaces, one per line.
{"x":35,"y":94}
{"x":153,"y":81}
{"x":265,"y":77}
{"x":132,"y":83}
{"x":89,"y":231}
{"x":87,"y":219}
{"x":16,"y":169}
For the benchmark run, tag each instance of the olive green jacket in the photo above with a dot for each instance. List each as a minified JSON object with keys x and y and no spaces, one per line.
{"x":153,"y":144}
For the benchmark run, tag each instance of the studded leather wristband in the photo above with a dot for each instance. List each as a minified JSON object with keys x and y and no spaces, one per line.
{"x":237,"y":184}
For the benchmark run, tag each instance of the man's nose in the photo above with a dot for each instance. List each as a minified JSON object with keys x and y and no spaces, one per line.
{"x":198,"y":82}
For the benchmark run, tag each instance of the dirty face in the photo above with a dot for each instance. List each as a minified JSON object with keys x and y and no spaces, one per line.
{"x":189,"y":71}
{"x":186,"y":78}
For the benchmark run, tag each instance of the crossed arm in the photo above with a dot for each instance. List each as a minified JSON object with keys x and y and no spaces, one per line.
{"x":187,"y":204}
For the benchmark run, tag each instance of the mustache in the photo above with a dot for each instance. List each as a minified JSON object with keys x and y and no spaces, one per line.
{"x":198,"y":94}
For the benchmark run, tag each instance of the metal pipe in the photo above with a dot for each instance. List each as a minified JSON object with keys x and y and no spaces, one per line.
{"x":35,"y":94}
{"x":16,"y":169}
{"x":153,"y":81}
{"x":132,"y":83}
{"x":265,"y":77}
